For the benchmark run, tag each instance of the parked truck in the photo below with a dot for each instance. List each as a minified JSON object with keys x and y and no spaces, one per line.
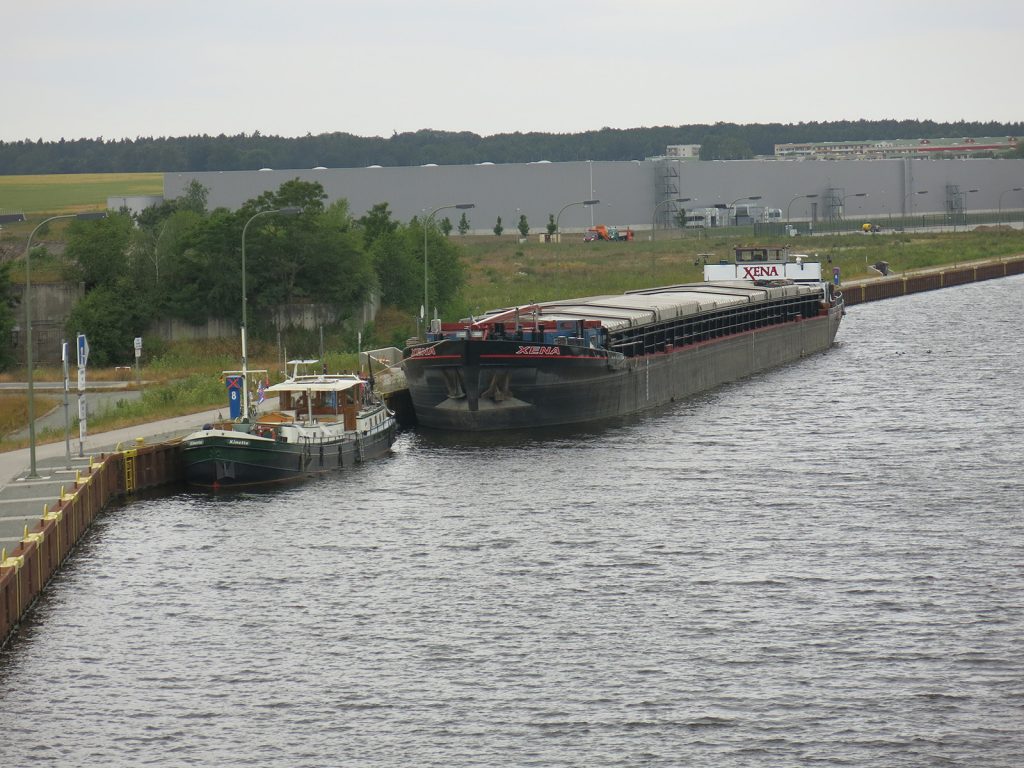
{"x":601,"y":232}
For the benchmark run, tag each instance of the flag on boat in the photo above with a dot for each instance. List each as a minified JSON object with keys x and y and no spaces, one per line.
{"x":260,"y":397}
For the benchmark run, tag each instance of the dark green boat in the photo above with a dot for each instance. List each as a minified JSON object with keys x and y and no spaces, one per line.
{"x":324,"y":424}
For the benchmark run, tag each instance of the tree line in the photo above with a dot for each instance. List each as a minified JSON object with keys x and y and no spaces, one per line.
{"x":724,"y":141}
{"x":178,"y":260}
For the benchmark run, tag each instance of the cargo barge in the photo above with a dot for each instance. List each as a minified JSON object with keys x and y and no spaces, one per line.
{"x":590,"y":359}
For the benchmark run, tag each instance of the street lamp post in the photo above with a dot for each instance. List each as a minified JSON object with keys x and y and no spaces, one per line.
{"x":735,"y":218}
{"x":907,"y":197}
{"x":28,"y":329}
{"x":1015,"y":189}
{"x":459,"y":206}
{"x":847,"y":197}
{"x":798,"y":197}
{"x":665,"y":202}
{"x":558,"y":232}
{"x":288,"y":211}
{"x":966,"y":193}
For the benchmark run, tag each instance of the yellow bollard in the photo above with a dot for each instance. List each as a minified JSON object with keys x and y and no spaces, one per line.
{"x":14,"y":561}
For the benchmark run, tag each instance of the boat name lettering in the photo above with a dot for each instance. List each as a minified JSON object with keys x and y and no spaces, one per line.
{"x":238,"y":442}
{"x":193,"y":443}
{"x":424,"y":352}
{"x":538,"y":351}
{"x":759,"y":271}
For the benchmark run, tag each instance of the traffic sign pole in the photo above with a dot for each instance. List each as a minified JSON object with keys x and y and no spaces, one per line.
{"x":64,"y":354}
{"x":83,"y":359}
{"x":138,"y":363}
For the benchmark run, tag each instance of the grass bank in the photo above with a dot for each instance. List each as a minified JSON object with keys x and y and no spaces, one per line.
{"x":503,"y":272}
{"x":73,"y":192}
{"x":14,"y":410}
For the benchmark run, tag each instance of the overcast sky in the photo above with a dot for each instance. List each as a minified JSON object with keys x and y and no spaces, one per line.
{"x":128,"y":68}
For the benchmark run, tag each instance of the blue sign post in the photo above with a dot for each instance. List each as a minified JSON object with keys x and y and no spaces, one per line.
{"x":234,"y":385}
{"x":83,"y":411}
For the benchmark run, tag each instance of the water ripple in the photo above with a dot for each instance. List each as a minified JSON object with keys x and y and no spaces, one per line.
{"x":821,"y":565}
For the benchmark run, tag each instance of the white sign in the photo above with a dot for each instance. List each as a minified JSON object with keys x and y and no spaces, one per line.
{"x":138,"y":344}
{"x":83,"y":428}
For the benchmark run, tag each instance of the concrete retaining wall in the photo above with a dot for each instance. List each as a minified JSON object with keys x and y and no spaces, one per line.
{"x":859,"y":291}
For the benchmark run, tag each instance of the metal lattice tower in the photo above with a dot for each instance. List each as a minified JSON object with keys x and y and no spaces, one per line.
{"x":667,"y":188}
{"x":833,"y":202}
{"x":954,"y":200}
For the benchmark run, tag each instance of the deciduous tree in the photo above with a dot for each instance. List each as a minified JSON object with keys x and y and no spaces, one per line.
{"x":98,"y":250}
{"x":377,"y":223}
{"x":7,"y":320}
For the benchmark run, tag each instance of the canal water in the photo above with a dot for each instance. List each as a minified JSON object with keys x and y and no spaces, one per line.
{"x":820,"y":565}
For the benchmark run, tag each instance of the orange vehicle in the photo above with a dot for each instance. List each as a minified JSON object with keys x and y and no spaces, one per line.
{"x":601,"y":232}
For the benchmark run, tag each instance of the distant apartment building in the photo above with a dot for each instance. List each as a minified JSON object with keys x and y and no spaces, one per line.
{"x":896,"y":148}
{"x":683,"y":151}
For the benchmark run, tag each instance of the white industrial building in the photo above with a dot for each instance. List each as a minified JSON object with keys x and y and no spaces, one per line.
{"x":638,"y":194}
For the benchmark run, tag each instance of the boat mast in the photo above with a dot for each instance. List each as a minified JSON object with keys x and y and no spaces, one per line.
{"x":286,"y":211}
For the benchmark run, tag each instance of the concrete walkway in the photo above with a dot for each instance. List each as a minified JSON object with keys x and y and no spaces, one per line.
{"x":22,"y":498}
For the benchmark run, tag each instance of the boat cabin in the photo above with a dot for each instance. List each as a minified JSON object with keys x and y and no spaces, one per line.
{"x":337,"y":398}
{"x":760,"y":253}
{"x":755,"y":263}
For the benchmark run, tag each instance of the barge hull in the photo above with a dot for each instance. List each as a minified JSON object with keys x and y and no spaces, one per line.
{"x":558,"y":391}
{"x":220,"y":462}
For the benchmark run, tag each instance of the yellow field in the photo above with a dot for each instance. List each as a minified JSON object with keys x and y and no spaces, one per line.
{"x":73,"y":192}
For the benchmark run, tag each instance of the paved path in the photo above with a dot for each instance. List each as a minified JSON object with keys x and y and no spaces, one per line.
{"x":22,"y":498}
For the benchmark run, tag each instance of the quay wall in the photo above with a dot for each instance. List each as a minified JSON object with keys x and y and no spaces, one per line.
{"x":25,"y":571}
{"x":875,"y":289}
